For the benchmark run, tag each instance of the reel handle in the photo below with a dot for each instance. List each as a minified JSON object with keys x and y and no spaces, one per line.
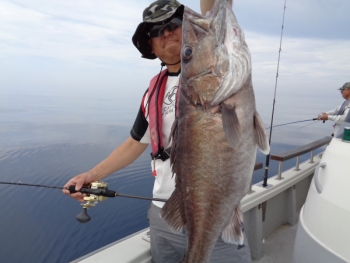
{"x":94,"y":195}
{"x":83,"y":217}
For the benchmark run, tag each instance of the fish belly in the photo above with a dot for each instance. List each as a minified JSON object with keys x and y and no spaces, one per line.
{"x":213,"y":179}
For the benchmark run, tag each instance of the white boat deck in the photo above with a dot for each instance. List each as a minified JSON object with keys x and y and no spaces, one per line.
{"x":279,"y":245}
{"x":131,"y":249}
{"x":278,"y":248}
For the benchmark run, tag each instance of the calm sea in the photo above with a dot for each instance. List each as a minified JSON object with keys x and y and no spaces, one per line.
{"x":47,"y":138}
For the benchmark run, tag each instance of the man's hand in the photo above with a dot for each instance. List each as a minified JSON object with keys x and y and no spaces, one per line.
{"x":121,"y":157}
{"x":206,"y":5}
{"x":78,"y":181}
{"x":322,"y":116}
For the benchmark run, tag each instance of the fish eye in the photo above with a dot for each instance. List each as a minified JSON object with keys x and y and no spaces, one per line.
{"x":187,"y":53}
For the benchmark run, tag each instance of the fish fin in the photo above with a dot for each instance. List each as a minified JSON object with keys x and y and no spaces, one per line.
{"x":260,"y":134}
{"x":173,"y":212}
{"x":202,"y":23}
{"x":219,"y":23}
{"x":233,"y":232}
{"x":173,"y":145}
{"x":231,"y":125}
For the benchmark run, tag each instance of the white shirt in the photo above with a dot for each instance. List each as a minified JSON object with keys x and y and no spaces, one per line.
{"x":164,"y":183}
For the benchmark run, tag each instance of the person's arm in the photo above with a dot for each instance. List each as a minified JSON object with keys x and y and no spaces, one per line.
{"x":328,"y":115}
{"x":334,"y":111}
{"x":121,"y":157}
{"x":338,"y":119}
{"x":206,"y":5}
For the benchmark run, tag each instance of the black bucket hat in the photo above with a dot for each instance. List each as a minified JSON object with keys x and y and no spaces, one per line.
{"x":158,"y":11}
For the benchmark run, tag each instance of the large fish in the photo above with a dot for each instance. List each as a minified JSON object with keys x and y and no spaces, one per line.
{"x":216,"y":133}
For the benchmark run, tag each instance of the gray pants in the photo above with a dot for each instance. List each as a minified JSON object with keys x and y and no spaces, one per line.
{"x":167,"y":247}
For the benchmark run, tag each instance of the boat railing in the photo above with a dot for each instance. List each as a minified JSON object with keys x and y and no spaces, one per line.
{"x":258,"y":166}
{"x":297,"y":152}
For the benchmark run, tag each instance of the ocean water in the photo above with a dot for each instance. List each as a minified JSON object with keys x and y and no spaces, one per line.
{"x":47,"y":138}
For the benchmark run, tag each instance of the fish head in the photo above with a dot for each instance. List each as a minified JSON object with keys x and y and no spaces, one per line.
{"x":215,"y":58}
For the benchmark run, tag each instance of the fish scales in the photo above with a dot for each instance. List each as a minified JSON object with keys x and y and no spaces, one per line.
{"x":216,"y":133}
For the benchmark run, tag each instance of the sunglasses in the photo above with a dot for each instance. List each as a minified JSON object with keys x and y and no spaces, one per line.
{"x":158,"y":30}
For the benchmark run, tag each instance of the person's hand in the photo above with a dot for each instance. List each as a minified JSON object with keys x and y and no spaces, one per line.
{"x":78,"y":181}
{"x":322,"y":116}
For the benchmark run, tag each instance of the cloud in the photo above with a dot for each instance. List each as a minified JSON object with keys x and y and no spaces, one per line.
{"x":86,"y":45}
{"x":321,"y":19}
{"x":305,"y":63}
{"x":63,"y":30}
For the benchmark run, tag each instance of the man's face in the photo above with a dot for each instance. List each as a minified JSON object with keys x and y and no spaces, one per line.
{"x":346,"y":94}
{"x":168,"y":46}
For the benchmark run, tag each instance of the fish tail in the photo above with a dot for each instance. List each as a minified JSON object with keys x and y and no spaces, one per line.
{"x":233,"y":232}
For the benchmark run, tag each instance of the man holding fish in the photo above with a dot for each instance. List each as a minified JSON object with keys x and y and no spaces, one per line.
{"x":206,"y":135}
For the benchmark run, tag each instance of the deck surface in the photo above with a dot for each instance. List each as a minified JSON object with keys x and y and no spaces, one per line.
{"x":278,"y":248}
{"x":279,"y":245}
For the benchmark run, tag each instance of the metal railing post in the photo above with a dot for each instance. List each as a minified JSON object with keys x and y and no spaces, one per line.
{"x":297,"y":164}
{"x":312,"y":157}
{"x":280,"y":168}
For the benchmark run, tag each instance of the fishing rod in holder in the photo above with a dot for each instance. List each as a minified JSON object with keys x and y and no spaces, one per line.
{"x":95,"y":192}
{"x":267,"y":161}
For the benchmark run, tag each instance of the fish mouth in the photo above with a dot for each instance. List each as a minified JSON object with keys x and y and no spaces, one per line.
{"x":203,"y":74}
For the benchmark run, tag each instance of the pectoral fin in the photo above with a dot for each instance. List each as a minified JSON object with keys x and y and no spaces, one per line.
{"x":260,"y":135}
{"x":231,"y":125}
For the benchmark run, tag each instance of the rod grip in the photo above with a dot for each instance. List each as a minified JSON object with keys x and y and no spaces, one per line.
{"x":315,"y":119}
{"x":103,"y":192}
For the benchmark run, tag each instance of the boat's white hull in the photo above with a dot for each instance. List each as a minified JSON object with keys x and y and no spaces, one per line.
{"x":324,"y":223}
{"x":309,"y":249}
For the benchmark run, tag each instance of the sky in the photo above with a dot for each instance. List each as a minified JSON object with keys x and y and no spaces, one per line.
{"x":84,"y":47}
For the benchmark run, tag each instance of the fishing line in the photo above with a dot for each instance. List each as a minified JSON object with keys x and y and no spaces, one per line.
{"x":307,"y":125}
{"x":267,"y":161}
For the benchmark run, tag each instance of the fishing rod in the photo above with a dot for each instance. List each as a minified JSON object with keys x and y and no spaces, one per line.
{"x":95,"y":191}
{"x":314,"y":119}
{"x":267,"y":161}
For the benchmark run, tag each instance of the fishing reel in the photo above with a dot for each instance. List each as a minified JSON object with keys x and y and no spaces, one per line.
{"x":96,"y":191}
